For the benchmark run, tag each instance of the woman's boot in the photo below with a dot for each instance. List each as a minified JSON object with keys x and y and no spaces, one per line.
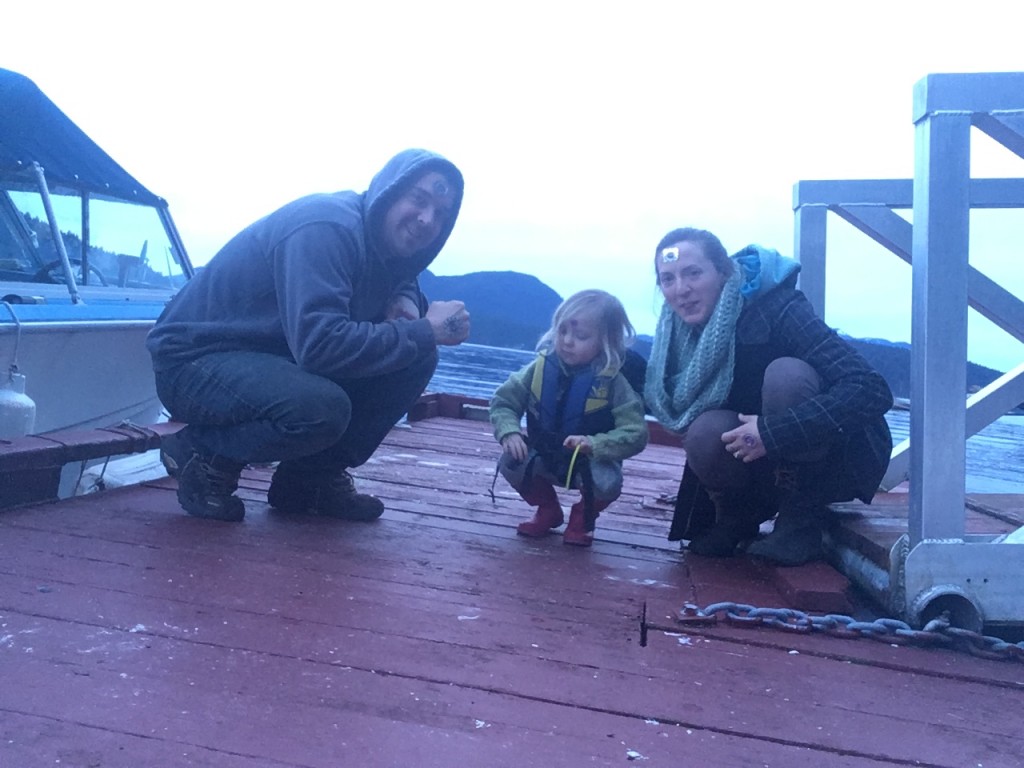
{"x":734,"y":524}
{"x":796,"y":538}
{"x":549,"y":511}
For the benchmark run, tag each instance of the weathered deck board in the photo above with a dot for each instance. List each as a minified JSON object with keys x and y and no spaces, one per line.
{"x":873,"y":529}
{"x":288,"y":610}
{"x":131,"y":634}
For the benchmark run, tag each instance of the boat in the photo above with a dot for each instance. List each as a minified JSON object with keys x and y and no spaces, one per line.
{"x":88,"y":259}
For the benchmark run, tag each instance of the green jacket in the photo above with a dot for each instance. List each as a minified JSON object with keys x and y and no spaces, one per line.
{"x":627,"y":438}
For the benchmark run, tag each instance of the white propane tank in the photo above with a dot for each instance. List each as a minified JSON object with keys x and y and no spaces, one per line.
{"x":17,"y":410}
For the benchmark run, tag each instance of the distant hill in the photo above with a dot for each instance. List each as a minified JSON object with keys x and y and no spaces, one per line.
{"x":513,"y":310}
{"x":892,"y":360}
{"x":508,"y":309}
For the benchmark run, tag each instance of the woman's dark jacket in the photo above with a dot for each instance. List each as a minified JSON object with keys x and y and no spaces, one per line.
{"x":849,"y":413}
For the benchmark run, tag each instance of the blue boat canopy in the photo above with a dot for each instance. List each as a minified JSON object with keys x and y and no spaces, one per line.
{"x":33,"y":129}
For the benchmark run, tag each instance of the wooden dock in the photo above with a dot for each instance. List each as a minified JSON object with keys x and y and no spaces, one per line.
{"x":134,"y":635}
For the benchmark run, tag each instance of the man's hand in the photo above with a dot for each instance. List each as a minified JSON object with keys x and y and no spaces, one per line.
{"x":744,"y":442}
{"x":515,"y":446}
{"x":403,"y":308}
{"x":450,"y":322}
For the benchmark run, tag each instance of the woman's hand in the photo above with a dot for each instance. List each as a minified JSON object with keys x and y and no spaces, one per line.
{"x":744,"y":442}
{"x":514,"y":446}
{"x":572,"y":441}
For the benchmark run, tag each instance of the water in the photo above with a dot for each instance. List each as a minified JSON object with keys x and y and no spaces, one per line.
{"x":475,"y":370}
{"x":995,"y":456}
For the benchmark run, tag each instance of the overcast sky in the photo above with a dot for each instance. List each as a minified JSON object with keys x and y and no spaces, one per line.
{"x":584,"y":133}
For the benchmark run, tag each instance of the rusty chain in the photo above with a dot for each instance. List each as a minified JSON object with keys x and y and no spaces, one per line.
{"x":937,"y":633}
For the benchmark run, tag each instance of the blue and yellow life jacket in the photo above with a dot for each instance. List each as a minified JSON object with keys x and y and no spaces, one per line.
{"x":560,"y":406}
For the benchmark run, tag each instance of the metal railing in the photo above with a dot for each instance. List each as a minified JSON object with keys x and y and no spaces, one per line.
{"x":941,"y":561}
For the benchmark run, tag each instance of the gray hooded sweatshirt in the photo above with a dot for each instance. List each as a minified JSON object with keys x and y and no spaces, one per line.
{"x":312,"y":282}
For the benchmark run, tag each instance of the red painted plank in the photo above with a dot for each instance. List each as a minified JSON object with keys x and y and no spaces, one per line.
{"x":436,"y":636}
{"x":296,"y":711}
{"x":460,"y":658}
{"x":455,"y":574}
{"x":28,"y":741}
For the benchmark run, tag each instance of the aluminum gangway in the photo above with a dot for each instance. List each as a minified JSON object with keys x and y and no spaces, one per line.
{"x":937,"y":566}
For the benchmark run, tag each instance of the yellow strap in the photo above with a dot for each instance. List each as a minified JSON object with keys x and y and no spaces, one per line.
{"x":572,"y":463}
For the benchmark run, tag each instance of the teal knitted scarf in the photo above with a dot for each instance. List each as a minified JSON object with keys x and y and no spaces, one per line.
{"x":690,"y":368}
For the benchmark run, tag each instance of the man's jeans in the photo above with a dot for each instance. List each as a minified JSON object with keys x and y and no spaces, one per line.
{"x":256,"y":407}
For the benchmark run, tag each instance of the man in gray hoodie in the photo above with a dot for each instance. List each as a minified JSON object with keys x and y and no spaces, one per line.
{"x":305,"y":339}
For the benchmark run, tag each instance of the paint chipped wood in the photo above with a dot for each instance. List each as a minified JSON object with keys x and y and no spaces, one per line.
{"x":132,"y":634}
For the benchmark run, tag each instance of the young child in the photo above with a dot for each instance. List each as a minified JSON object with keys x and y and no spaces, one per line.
{"x":582,"y":417}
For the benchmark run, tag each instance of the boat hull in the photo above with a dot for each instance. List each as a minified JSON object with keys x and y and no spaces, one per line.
{"x":85,"y":375}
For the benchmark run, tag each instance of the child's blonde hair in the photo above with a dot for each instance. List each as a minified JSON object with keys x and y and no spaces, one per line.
{"x":616,"y":330}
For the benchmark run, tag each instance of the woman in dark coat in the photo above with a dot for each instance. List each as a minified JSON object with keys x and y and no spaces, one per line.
{"x":779,"y":415}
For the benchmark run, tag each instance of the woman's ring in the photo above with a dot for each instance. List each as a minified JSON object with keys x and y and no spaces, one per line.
{"x":749,"y":440}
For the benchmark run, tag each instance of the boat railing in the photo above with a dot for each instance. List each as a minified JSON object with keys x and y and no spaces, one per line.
{"x":58,"y":239}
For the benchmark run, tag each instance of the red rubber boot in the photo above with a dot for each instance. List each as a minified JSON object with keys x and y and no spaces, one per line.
{"x":576,"y":533}
{"x":549,"y":511}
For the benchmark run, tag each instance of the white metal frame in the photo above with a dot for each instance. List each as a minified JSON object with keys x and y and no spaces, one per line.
{"x":938,"y":566}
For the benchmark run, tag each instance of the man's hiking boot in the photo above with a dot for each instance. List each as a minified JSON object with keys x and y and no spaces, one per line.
{"x":335,"y":495}
{"x":206,"y":484}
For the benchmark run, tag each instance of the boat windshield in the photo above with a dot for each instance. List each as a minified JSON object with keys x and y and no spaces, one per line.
{"x":108,"y":242}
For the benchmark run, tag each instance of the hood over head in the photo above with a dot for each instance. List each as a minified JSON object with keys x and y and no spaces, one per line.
{"x":762,"y":269}
{"x":401,"y":172}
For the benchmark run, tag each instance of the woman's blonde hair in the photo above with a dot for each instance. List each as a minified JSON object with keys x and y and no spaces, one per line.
{"x":616,"y":330}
